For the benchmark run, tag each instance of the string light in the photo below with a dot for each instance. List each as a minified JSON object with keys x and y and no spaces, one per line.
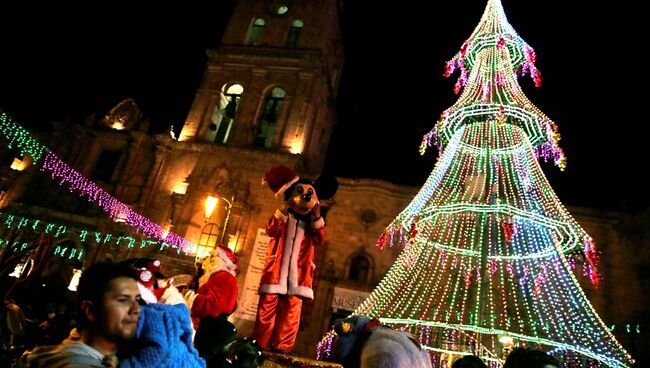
{"x":61,"y":231}
{"x":76,"y":182}
{"x":493,"y":247}
{"x":19,"y":138}
{"x":22,"y":140}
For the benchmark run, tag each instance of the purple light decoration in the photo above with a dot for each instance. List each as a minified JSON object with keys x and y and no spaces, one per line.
{"x":324,"y":347}
{"x":78,"y":183}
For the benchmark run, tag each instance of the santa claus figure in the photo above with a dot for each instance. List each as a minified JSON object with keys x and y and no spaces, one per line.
{"x":288,"y":272}
{"x":217,"y":292}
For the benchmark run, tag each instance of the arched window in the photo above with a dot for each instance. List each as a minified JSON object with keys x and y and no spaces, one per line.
{"x":209,"y":237}
{"x":106,"y":165}
{"x":255,"y":33}
{"x":270,"y":114}
{"x":294,"y":33}
{"x":224,"y":114}
{"x":359,"y":269}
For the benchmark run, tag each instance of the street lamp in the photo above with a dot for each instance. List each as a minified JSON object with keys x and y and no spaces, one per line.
{"x":210,"y":205}
{"x":20,"y":164}
{"x":8,"y":177}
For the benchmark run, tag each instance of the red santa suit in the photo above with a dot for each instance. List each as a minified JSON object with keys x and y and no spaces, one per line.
{"x":217,"y":293}
{"x":286,"y":279}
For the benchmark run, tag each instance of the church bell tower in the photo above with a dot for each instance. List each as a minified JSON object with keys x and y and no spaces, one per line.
{"x":271,"y":84}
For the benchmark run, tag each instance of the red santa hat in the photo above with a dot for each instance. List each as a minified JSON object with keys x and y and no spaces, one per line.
{"x":146,"y":280}
{"x":146,"y":274}
{"x":228,"y":256}
{"x":279,"y":179}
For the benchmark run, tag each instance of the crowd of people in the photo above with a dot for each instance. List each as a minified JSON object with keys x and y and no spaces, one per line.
{"x":116,"y":327}
{"x":520,"y":357}
{"x":128,"y":315}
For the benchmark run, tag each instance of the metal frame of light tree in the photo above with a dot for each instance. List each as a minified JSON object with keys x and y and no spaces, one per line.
{"x":489,"y":249}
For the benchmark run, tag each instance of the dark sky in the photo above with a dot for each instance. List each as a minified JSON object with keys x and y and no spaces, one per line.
{"x":57,"y":60}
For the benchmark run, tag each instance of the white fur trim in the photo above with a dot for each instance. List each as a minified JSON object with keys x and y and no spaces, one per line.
{"x":286,"y":186}
{"x":288,"y":281}
{"x":273,"y":289}
{"x":318,"y":223}
{"x":287,"y":249}
{"x":224,"y":257}
{"x":303,"y":291}
{"x":172,"y":296}
{"x":295,"y":252}
{"x":280,"y":216}
{"x":227,"y":264}
{"x":146,"y":294}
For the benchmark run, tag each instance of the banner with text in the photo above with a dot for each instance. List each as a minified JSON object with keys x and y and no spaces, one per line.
{"x":348,"y":299}
{"x":247,"y":304}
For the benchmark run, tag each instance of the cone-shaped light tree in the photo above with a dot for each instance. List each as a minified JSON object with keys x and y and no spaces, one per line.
{"x":489,"y":250}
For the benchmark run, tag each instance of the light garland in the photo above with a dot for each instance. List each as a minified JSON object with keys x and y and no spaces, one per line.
{"x":76,"y":182}
{"x":85,"y":238}
{"x":488,"y":247}
{"x":22,"y":140}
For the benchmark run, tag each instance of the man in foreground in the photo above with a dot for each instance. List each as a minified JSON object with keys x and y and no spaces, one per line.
{"x":108,"y":308}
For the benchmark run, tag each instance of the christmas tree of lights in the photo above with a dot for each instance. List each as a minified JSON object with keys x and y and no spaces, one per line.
{"x":489,"y":250}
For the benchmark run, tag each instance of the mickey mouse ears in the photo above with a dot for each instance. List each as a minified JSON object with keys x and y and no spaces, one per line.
{"x":326,"y":186}
{"x":280,"y":178}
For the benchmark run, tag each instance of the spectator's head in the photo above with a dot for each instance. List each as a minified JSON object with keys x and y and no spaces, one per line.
{"x":107,"y":302}
{"x":469,"y":361}
{"x":530,"y":358}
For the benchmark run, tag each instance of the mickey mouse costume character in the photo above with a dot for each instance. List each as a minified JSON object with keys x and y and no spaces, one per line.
{"x":288,"y":271}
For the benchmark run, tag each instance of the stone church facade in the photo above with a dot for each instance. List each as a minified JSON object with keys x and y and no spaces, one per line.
{"x":266,"y":98}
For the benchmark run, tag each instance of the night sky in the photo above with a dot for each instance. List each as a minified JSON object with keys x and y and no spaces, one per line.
{"x":55,"y":63}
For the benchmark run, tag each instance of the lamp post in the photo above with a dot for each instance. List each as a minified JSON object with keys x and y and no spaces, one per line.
{"x":8,"y":177}
{"x":211,"y":203}
{"x":225,"y":223}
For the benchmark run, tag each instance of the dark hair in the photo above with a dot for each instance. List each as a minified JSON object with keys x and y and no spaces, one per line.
{"x":469,"y":361}
{"x":529,"y":358}
{"x":94,"y":283}
{"x":244,"y":353}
